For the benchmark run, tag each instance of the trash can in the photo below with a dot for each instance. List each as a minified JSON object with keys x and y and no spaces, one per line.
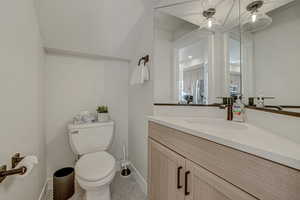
{"x":63,"y":183}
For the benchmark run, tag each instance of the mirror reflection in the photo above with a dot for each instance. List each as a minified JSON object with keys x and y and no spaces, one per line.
{"x":191,"y":65}
{"x":270,"y":53}
{"x":219,"y":48}
{"x":197,"y":52}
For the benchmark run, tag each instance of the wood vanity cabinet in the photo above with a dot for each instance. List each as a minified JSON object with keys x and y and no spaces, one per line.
{"x":172,"y":177}
{"x":186,"y":167}
{"x":167,"y":170}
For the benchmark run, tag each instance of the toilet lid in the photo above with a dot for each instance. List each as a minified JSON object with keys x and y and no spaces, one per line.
{"x":95,"y":166}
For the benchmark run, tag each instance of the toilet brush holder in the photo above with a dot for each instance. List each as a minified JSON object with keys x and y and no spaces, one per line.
{"x":125,"y":171}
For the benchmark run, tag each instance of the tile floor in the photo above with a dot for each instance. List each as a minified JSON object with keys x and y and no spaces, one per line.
{"x":121,"y":189}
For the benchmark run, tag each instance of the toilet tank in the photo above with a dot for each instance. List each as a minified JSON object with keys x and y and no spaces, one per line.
{"x":91,"y":137}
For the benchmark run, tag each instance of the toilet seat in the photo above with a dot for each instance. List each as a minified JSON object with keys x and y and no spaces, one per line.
{"x":95,"y":167}
{"x":89,"y":185}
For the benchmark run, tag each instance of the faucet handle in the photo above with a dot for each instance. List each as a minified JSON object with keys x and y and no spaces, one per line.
{"x":226,"y":100}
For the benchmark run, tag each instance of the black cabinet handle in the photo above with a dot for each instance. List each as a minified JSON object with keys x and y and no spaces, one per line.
{"x":186,"y":192}
{"x":178,"y":178}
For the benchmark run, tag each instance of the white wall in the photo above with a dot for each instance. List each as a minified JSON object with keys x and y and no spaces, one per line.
{"x":21,"y":119}
{"x":189,"y":111}
{"x":141,"y":96}
{"x":276,"y":57}
{"x":163,"y":73}
{"x":96,"y":27}
{"x":74,"y":84}
{"x":91,"y":26}
{"x":285,"y":126}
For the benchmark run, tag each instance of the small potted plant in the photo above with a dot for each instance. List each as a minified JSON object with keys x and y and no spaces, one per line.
{"x":103,"y":115}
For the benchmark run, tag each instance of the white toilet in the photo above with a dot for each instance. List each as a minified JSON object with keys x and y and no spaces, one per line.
{"x":95,"y":169}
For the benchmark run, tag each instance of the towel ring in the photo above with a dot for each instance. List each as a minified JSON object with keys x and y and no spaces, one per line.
{"x":145,"y":59}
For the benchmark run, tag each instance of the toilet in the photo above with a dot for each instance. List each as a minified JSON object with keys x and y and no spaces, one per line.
{"x":95,"y":168}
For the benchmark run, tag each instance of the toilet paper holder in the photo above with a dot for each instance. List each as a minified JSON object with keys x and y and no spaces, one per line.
{"x":4,"y":172}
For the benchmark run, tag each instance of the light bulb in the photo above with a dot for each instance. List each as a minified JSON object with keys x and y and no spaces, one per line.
{"x":209,"y":23}
{"x":253,"y":17}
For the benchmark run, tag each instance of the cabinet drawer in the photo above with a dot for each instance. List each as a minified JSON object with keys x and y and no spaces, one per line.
{"x":262,"y":178}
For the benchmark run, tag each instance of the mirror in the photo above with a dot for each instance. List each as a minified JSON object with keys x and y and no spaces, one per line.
{"x":271,"y":53}
{"x":197,"y":52}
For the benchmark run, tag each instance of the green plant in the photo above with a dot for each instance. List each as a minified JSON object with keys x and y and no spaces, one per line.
{"x":102,"y":109}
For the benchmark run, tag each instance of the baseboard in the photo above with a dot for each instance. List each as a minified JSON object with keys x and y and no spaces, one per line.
{"x":50,"y":184}
{"x":139,"y":179}
{"x":44,"y":191}
{"x":118,"y":165}
{"x":135,"y":173}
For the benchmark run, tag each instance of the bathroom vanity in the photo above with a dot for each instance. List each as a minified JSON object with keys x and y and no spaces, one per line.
{"x":212,"y":159}
{"x":250,"y":50}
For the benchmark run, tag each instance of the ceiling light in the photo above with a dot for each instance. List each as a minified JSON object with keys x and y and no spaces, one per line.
{"x":256,"y":19}
{"x":253,"y":17}
{"x":190,"y":57}
{"x":208,"y":14}
{"x":210,"y":22}
{"x":253,"y":9}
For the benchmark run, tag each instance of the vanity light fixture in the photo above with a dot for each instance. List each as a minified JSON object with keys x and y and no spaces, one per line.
{"x":253,"y":9}
{"x":210,"y":20}
{"x":255,"y":19}
{"x":209,"y":24}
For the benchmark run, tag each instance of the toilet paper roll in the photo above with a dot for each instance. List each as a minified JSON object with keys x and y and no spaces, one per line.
{"x":28,"y":162}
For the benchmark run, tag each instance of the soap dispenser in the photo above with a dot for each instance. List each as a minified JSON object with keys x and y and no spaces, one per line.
{"x":260,"y":102}
{"x":238,"y":110}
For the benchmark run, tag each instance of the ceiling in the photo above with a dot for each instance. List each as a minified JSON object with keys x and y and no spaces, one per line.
{"x":111,"y":27}
{"x":192,"y":12}
{"x":102,"y":27}
{"x":227,"y":10}
{"x":168,"y":22}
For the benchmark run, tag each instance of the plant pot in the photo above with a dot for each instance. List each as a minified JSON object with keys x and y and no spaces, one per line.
{"x":103,"y":117}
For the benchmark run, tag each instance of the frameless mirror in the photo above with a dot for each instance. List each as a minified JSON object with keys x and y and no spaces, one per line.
{"x":197,"y":52}
{"x":271,"y":53}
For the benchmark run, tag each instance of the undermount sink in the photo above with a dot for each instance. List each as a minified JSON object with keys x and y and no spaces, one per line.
{"x":219,"y":124}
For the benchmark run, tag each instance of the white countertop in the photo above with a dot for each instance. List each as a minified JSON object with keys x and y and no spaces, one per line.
{"x":241,"y":136}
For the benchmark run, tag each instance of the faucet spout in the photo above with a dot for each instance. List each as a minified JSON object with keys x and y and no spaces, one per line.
{"x":228,"y":104}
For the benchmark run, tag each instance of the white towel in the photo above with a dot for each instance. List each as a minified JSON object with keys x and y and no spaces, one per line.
{"x":140,"y":75}
{"x":136,"y":76}
{"x":146,"y":74}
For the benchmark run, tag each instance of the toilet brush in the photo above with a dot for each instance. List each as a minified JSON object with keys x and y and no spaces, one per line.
{"x":125,"y":171}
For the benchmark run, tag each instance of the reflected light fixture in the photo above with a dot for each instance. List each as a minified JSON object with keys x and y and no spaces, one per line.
{"x":253,"y":9}
{"x":208,"y":14}
{"x":209,"y":23}
{"x":256,"y":19}
{"x":253,"y":17}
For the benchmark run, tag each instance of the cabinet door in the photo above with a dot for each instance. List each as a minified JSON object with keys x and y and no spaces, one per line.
{"x":166,"y":173}
{"x":203,"y":185}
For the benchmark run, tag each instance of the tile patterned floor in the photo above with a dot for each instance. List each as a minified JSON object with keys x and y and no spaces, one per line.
{"x":121,"y":189}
